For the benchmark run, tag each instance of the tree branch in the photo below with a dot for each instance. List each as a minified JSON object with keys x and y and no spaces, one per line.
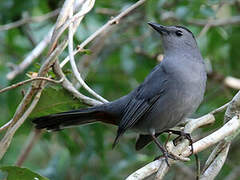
{"x":70,"y":88}
{"x":111,"y":22}
{"x":226,"y":133}
{"x":29,"y":20}
{"x":23,"y":111}
{"x":33,"y":138}
{"x":29,"y":80}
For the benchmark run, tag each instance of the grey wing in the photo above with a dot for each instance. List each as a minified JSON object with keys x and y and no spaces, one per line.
{"x":142,"y":100}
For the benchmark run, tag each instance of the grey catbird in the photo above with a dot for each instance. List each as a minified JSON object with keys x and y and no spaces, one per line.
{"x":171,"y":92}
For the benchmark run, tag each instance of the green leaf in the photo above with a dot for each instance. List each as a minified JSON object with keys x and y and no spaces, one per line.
{"x":86,"y":51}
{"x":55,"y":99}
{"x":18,"y":173}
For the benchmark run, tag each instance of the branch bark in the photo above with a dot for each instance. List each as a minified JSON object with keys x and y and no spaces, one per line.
{"x":228,"y":132}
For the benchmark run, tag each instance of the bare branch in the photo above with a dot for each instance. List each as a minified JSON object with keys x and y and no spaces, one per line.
{"x":232,"y":126}
{"x":72,"y":61}
{"x":30,"y":80}
{"x":5,"y":126}
{"x":113,"y":21}
{"x":31,"y":57}
{"x":232,"y":82}
{"x":226,"y":133}
{"x":235,"y":20}
{"x":196,"y":123}
{"x":29,"y":20}
{"x":23,"y":110}
{"x":33,"y":138}
{"x":233,"y":108}
{"x":62,"y":27}
{"x":215,"y":161}
{"x":35,"y":52}
{"x":70,"y":88}
{"x":6,"y":140}
{"x":220,"y":109}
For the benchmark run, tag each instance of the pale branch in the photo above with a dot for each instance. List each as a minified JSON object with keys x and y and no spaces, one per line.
{"x":6,"y":140}
{"x":62,"y":17}
{"x":227,"y":130}
{"x":225,"y":134}
{"x":218,"y":156}
{"x":5,"y":126}
{"x":183,"y":149}
{"x":233,"y":108}
{"x":23,"y":110}
{"x":232,"y":82}
{"x":30,"y":57}
{"x":71,"y":89}
{"x":29,"y":20}
{"x":30,"y":80}
{"x":35,"y":52}
{"x":58,"y":31}
{"x":215,"y":161}
{"x":196,"y":123}
{"x":64,"y":13}
{"x":72,"y":60}
{"x":220,"y":109}
{"x":208,"y":24}
{"x":234,"y":20}
{"x":32,"y":139}
{"x":111,"y":22}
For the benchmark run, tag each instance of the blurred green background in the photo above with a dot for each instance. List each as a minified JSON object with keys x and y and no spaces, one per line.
{"x":119,"y":61}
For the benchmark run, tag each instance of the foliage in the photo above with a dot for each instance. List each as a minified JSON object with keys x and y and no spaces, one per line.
{"x":128,"y":55}
{"x":17,"y":173}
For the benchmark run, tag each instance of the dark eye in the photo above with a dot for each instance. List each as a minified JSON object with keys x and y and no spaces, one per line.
{"x":179,"y":33}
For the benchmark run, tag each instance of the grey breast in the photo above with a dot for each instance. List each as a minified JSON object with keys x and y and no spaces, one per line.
{"x":183,"y":94}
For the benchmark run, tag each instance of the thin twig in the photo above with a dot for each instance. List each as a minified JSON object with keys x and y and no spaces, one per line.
{"x":23,"y":110}
{"x":226,"y":133}
{"x":61,"y":27}
{"x":29,"y":20}
{"x":36,"y":51}
{"x":235,"y":20}
{"x":30,"y":80}
{"x":232,"y":82}
{"x":70,"y":88}
{"x":220,"y":109}
{"x":111,"y":22}
{"x":215,"y":161}
{"x":6,"y":140}
{"x":30,"y":57}
{"x":5,"y":126}
{"x":72,"y":61}
{"x":183,"y":148}
{"x":33,"y":138}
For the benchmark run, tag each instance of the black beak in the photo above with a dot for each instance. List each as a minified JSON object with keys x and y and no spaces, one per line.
{"x":159,"y":28}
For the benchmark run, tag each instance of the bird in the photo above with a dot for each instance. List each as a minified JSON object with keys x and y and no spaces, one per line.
{"x":171,"y":92}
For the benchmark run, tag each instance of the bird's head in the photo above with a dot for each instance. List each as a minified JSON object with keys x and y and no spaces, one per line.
{"x":175,"y":37}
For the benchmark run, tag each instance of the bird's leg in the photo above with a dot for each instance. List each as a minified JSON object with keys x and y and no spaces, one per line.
{"x":180,"y":135}
{"x":168,"y":137}
{"x":164,"y":151}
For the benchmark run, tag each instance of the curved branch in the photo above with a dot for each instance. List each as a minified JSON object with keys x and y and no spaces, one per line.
{"x":29,"y":20}
{"x":30,"y":80}
{"x":114,"y":20}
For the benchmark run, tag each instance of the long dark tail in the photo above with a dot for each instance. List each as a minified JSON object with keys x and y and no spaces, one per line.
{"x":72,"y":118}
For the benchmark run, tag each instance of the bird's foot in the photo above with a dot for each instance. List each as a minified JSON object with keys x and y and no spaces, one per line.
{"x":166,"y":155}
{"x":181,"y":135}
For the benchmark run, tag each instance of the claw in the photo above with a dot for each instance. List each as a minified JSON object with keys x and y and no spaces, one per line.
{"x":182,"y":134}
